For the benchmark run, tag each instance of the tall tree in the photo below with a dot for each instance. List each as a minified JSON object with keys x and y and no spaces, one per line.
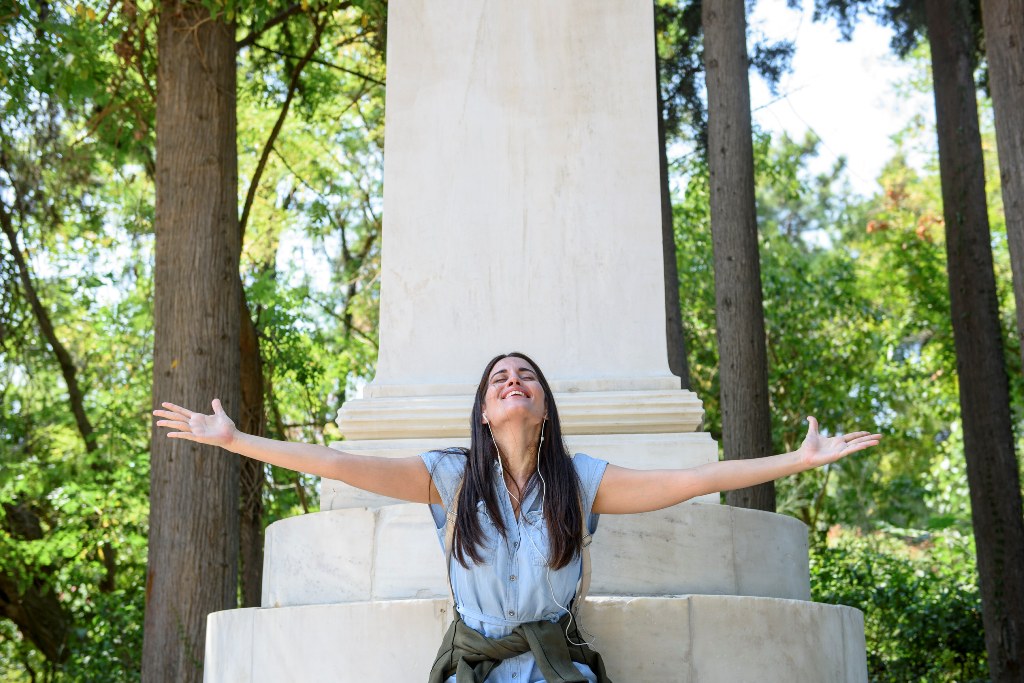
{"x":739,"y":310}
{"x":984,"y":392}
{"x":252,"y":420}
{"x":680,"y":69}
{"x":1004,"y":48}
{"x":194,"y":496}
{"x":677,"y":362}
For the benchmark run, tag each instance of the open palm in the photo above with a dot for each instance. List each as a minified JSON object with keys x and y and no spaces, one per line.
{"x":817,"y":450}
{"x":216,"y":429}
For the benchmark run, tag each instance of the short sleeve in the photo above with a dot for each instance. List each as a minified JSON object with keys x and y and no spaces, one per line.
{"x":590,"y":471}
{"x":446,"y":468}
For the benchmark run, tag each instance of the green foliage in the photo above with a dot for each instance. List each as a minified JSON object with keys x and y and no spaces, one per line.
{"x":312,"y":249}
{"x":857,"y":318}
{"x":680,"y":53}
{"x":858,"y":322}
{"x":76,"y":165}
{"x":919,"y":595}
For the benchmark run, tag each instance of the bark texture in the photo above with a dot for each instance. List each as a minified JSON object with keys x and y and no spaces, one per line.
{"x":992,"y":470}
{"x":251,"y":476}
{"x":194,"y":494}
{"x":743,"y":364}
{"x":677,"y":361}
{"x":1004,"y":48}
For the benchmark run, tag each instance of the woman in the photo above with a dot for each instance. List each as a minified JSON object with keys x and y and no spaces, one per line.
{"x":510,"y":511}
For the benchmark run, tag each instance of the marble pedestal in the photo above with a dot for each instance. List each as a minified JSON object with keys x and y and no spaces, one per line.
{"x":668,"y":639}
{"x":697,"y":592}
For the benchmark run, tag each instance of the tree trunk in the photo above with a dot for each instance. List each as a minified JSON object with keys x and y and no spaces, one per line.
{"x":1004,"y":47}
{"x":194,"y":495}
{"x":743,"y":363}
{"x":251,"y":479}
{"x":992,"y":471}
{"x":677,"y":361}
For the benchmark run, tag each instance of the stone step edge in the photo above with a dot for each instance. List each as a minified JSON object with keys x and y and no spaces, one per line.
{"x":295,"y":572}
{"x":604,"y":412}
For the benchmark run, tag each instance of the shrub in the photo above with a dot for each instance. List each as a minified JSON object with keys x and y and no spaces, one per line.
{"x":919,"y":595}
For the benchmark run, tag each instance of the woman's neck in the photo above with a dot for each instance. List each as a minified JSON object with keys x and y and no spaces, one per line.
{"x":518,"y":452}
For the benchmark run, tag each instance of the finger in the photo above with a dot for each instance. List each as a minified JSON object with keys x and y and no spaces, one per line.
{"x":218,"y":409}
{"x":170,"y":414}
{"x":812,"y":424}
{"x":853,"y":448}
{"x":184,"y":411}
{"x":188,"y":436}
{"x":853,"y":435}
{"x":173,"y":424}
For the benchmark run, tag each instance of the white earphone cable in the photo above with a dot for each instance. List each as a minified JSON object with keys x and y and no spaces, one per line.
{"x":526,"y":520}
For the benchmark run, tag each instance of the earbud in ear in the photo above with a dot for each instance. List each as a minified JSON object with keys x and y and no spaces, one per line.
{"x":485,"y":418}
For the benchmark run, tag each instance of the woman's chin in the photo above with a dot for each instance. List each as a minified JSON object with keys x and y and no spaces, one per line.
{"x":517,"y":417}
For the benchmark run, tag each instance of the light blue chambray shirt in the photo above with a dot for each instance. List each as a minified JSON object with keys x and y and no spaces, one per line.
{"x":514,"y":584}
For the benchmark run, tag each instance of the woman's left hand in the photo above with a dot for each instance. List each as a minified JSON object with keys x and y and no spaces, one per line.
{"x":818,"y":450}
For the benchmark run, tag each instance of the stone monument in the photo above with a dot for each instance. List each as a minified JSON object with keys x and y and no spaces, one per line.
{"x":522,"y":212}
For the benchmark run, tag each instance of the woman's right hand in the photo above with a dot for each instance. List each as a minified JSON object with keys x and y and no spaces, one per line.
{"x":215,"y":430}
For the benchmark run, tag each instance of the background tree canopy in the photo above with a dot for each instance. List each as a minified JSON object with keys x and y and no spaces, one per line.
{"x":855,"y":293}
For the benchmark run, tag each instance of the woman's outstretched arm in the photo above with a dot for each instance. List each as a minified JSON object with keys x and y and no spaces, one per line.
{"x":624,"y":491}
{"x":403,"y":478}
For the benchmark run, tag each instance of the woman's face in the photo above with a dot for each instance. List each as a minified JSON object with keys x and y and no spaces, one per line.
{"x":513,"y":394}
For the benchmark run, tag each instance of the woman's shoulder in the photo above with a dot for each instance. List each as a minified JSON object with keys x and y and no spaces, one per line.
{"x":453,"y":456}
{"x":589,"y":470}
{"x":447,"y":467}
{"x":586,"y":464}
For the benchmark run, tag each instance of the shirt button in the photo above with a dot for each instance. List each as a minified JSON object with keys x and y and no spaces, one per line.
{"x":515,"y":674}
{"x":512,"y":578}
{"x":511,"y":613}
{"x":516,"y":544}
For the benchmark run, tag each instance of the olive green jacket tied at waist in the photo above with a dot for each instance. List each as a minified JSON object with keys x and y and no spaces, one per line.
{"x":471,"y":656}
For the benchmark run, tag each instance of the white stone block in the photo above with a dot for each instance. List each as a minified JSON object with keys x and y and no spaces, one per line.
{"x":359,"y":554}
{"x":319,"y":557}
{"x":357,"y":642}
{"x":408,"y":562}
{"x":770,"y":554}
{"x":713,"y":549}
{"x":229,"y":637}
{"x":661,"y":411}
{"x":353,"y":555}
{"x":766,"y":639}
{"x":521,"y":187}
{"x":683,"y":639}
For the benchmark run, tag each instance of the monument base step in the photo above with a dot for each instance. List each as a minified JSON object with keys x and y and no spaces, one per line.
{"x":685,"y":639}
{"x":392,"y":553}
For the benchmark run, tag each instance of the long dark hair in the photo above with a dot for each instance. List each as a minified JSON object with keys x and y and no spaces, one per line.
{"x":562,"y":511}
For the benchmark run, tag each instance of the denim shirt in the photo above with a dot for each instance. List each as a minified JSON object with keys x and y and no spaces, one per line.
{"x":513,"y":584}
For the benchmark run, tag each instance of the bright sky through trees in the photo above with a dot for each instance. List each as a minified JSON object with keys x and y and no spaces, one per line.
{"x":845,"y":92}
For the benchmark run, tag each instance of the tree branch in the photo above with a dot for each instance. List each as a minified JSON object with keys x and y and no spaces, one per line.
{"x":67,"y":366}
{"x":324,"y":62}
{"x":265,"y":154}
{"x":271,"y":23}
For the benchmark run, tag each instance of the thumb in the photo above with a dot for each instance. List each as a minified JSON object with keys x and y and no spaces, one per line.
{"x":218,"y":409}
{"x":812,"y":425}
